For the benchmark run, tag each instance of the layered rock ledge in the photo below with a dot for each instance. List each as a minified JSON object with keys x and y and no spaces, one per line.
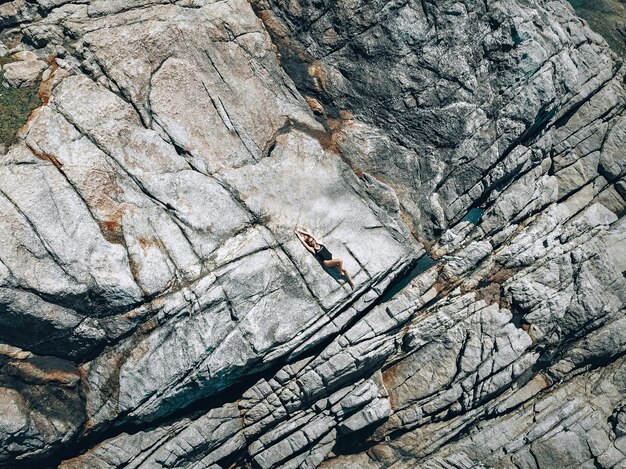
{"x":465,"y":159}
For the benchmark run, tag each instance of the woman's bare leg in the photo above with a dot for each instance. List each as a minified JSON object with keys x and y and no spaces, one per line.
{"x":338,"y":263}
{"x":350,"y":281}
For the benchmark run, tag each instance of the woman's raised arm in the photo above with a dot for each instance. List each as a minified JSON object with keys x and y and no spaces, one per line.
{"x":299,"y":233}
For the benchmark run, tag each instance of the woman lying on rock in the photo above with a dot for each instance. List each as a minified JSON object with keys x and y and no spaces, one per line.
{"x":322,"y":254}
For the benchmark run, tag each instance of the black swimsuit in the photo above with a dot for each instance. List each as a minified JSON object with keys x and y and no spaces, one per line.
{"x":323,"y":254}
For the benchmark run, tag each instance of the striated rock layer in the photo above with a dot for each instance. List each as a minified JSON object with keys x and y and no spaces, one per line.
{"x":466,"y":160}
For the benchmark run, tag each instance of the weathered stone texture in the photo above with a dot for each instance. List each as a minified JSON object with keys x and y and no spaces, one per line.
{"x":464,"y":159}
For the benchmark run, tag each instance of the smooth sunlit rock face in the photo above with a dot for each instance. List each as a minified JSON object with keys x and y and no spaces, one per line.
{"x":465,"y":160}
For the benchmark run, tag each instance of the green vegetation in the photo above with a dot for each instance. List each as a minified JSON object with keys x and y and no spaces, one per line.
{"x":15,"y":107}
{"x":605,"y":17}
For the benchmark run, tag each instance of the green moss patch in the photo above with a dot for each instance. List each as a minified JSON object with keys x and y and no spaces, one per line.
{"x":16,"y":104}
{"x":605,"y":17}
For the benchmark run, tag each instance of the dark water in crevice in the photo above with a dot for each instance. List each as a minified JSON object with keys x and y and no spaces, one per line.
{"x":473,"y":216}
{"x":421,"y":265}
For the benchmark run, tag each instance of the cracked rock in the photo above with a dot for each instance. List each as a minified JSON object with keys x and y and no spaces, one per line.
{"x":465,"y":161}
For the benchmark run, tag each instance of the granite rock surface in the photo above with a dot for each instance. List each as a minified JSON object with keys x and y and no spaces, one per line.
{"x":466,"y":160}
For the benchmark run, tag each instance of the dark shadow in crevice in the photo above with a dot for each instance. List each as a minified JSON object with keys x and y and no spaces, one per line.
{"x":356,"y":442}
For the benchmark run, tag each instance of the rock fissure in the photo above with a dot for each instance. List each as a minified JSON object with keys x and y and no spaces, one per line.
{"x":189,"y":139}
